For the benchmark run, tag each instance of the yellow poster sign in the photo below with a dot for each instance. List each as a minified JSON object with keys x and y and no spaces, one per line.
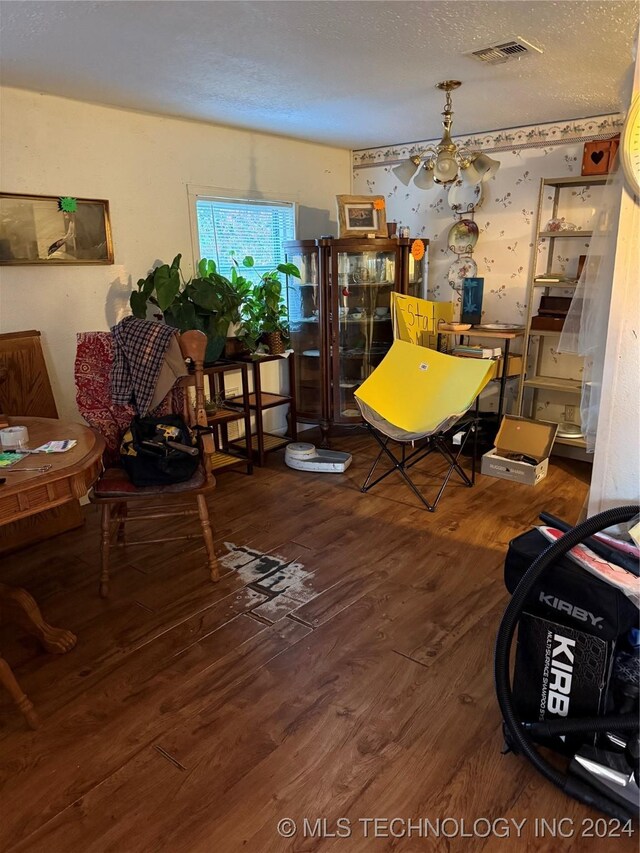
{"x":416,"y":320}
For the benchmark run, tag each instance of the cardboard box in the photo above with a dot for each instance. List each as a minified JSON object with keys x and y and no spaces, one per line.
{"x":514,"y":369}
{"x":520,"y":436}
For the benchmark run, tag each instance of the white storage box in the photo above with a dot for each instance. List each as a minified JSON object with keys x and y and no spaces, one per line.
{"x":520,"y":436}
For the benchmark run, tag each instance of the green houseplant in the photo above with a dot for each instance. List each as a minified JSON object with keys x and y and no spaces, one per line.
{"x":264,"y":314}
{"x":208,"y":302}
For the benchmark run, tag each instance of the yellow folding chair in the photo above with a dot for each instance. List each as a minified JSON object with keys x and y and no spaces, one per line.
{"x":415,"y":397}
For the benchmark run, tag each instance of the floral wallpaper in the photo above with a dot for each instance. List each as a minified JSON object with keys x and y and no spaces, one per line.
{"x":505,"y":217}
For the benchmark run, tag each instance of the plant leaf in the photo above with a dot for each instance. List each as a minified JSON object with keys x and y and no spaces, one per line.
{"x":204,"y":294}
{"x":289,"y":269}
{"x":184,"y":315}
{"x":167,"y":283}
{"x":138,"y":302}
{"x":147,"y":285}
{"x":248,"y":261}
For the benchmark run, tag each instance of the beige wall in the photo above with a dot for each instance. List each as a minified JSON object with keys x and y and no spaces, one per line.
{"x":142,"y":164}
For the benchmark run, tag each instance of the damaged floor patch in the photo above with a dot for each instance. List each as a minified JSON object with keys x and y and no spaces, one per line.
{"x":269,"y":574}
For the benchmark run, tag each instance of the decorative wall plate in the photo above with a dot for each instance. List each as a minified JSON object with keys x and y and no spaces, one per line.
{"x":461,"y":268}
{"x":464,"y":199}
{"x":463,"y":236}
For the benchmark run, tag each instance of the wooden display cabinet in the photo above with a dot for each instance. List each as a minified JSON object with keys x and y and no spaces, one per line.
{"x":340,"y":318}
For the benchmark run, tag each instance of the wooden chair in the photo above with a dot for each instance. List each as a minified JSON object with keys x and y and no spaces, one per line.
{"x":115,"y":493}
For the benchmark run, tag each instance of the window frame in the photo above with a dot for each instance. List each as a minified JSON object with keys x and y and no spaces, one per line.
{"x":196,"y":193}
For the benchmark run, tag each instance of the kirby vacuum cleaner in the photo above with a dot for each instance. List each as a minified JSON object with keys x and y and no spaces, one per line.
{"x":576,"y":677}
{"x":306,"y":457}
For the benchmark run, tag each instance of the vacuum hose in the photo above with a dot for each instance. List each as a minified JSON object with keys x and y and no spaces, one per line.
{"x":520,"y":737}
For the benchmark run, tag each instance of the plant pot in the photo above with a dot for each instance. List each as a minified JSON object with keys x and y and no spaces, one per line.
{"x":275,"y":342}
{"x":235,"y":348}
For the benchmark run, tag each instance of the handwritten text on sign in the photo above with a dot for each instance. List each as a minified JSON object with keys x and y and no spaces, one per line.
{"x":416,"y":320}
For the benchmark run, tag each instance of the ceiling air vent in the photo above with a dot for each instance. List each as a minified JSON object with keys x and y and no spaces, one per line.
{"x":495,"y":54}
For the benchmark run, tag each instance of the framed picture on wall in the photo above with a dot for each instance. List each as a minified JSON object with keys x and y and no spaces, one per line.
{"x":37,"y":229}
{"x":360,"y":215}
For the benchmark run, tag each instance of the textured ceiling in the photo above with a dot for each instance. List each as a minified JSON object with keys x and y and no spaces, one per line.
{"x":354,"y":74}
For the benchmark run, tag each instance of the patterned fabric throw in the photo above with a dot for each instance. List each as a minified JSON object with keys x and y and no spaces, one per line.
{"x":139,"y":349}
{"x":94,"y":360}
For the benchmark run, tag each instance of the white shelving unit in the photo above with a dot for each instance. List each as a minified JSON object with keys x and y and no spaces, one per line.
{"x":535,"y":378}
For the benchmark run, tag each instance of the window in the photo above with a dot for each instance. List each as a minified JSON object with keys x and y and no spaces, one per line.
{"x":246,"y":227}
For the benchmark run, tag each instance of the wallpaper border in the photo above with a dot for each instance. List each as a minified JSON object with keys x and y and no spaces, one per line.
{"x":530,"y":136}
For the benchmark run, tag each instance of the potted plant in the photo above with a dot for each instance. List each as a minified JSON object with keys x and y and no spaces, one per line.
{"x":264,"y":313}
{"x":209,"y":302}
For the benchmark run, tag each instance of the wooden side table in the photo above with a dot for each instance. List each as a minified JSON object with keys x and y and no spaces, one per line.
{"x":26,"y":493}
{"x":260,"y":400}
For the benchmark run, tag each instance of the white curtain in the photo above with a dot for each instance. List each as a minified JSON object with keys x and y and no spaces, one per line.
{"x":585,"y":329}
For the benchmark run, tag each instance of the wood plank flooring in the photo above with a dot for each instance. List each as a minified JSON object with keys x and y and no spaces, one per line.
{"x":194,"y":717}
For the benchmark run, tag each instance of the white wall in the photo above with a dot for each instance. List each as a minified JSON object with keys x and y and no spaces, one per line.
{"x":616,"y":464}
{"x":142,"y":164}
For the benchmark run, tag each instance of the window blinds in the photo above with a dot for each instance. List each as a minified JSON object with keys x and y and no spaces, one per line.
{"x":255,"y":228}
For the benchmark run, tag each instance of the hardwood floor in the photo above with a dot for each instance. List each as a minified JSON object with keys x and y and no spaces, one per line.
{"x":194,"y":717}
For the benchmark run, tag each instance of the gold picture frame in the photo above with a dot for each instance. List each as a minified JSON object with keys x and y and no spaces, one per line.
{"x":53,"y":230}
{"x":361,"y":216}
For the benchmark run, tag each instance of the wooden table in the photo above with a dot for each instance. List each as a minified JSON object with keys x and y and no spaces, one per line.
{"x":506,"y":335}
{"x":71,"y":475}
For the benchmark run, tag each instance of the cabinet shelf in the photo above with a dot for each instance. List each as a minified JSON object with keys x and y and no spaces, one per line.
{"x":563,"y":234}
{"x":552,"y":383}
{"x":575,"y":181}
{"x":570,"y":282}
{"x":221,"y":460}
{"x":268,"y":400}
{"x":572,"y":442}
{"x":369,"y":284}
{"x":359,"y":320}
{"x":271,"y":441}
{"x":223,"y":416}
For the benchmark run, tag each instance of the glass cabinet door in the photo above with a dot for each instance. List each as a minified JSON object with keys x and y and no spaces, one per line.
{"x":361,"y":314}
{"x":305,"y":326}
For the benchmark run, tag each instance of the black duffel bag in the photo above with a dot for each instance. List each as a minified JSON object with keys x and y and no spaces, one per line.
{"x":159,"y":451}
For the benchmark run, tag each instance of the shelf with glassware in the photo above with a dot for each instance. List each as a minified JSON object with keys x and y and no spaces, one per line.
{"x":551,"y":382}
{"x":340,"y":320}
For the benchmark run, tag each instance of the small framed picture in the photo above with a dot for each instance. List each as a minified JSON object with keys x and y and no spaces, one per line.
{"x":40,"y":229}
{"x":361,"y":215}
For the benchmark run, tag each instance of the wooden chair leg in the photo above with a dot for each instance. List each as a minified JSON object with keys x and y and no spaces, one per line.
{"x":121,"y":510}
{"x":8,"y":681}
{"x":105,"y":547}
{"x":203,"y":511}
